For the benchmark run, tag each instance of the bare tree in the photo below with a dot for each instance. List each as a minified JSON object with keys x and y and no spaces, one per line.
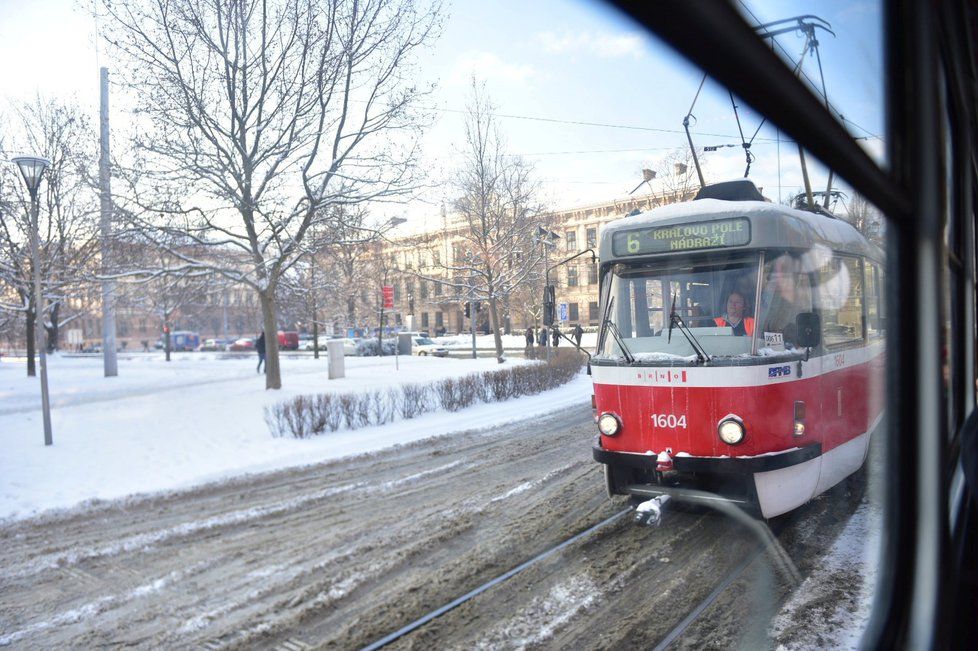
{"x":259,"y":116}
{"x":499,"y":216}
{"x":306,"y":291}
{"x":866,"y":218}
{"x":351,"y":252}
{"x":67,"y":221}
{"x":162,"y":284}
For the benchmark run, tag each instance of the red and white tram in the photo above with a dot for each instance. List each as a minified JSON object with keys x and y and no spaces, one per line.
{"x":741,"y":351}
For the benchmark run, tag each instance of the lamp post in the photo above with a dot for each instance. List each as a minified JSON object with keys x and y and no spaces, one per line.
{"x":32,"y":169}
{"x":547,"y":239}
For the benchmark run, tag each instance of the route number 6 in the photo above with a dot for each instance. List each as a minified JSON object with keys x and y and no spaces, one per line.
{"x":632,"y":243}
{"x":669,"y":420}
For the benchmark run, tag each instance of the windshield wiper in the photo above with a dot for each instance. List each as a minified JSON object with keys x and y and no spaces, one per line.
{"x":615,"y":333}
{"x":674,"y":320}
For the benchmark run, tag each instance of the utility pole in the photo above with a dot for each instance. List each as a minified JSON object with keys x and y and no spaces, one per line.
{"x":472,"y":314}
{"x":224,"y":306}
{"x":109,"y":361}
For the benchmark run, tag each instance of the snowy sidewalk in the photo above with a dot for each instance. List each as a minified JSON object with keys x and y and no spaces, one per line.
{"x":163,"y":426}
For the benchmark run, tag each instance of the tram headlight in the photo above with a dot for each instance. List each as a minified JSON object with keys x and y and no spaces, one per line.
{"x":609,"y":424}
{"x":731,"y":430}
{"x":799,"y":423}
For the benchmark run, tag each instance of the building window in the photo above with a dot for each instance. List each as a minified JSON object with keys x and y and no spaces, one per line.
{"x":438,"y":289}
{"x":439,"y":319}
{"x":592,"y":238}
{"x":592,"y":312}
{"x":424,"y":319}
{"x":570,"y":240}
{"x":436,"y":258}
{"x":592,"y":273}
{"x":573,"y":313}
{"x":423,"y":286}
{"x":572,"y":276}
{"x":397,"y":290}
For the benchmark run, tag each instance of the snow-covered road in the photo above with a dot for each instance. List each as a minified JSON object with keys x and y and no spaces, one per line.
{"x":337,"y":555}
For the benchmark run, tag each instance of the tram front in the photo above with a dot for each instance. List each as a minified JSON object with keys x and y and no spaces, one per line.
{"x":707,"y":378}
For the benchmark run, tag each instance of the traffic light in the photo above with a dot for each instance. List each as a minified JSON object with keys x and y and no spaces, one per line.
{"x":166,"y":329}
{"x":549,"y":303}
{"x":468,"y":312}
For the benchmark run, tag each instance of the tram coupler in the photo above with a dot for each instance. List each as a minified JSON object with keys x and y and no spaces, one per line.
{"x":649,"y":512}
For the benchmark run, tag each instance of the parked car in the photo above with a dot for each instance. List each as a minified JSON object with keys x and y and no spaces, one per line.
{"x":288,"y":340}
{"x":243,"y":344}
{"x":424,"y":346}
{"x":349,"y":345}
{"x":215,"y":344}
{"x":184,"y":340}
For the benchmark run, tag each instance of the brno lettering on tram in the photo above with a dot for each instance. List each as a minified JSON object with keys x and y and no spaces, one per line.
{"x":740,"y":353}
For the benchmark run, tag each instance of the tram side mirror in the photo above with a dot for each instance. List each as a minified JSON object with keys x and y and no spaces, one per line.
{"x":549,"y":305}
{"x":809,"y":329}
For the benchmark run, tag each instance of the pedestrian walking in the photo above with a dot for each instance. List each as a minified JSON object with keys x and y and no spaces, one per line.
{"x":556,"y":335}
{"x":260,"y":349}
{"x":542,"y":337}
{"x":529,"y":337}
{"x":578,"y":333}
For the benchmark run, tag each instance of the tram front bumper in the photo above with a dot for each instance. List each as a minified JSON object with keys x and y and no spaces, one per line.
{"x":758,"y":483}
{"x":711,"y":465}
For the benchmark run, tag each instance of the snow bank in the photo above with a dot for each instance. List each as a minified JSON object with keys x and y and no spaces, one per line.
{"x":162,"y":426}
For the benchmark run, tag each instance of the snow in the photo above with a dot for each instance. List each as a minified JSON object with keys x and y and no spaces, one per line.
{"x":831,"y":608}
{"x":512,"y":342}
{"x":161,"y":426}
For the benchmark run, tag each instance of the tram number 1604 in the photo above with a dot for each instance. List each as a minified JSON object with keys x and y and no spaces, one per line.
{"x":669,"y":420}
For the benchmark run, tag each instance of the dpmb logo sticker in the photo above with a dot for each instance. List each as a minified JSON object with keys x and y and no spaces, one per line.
{"x":779,"y":371}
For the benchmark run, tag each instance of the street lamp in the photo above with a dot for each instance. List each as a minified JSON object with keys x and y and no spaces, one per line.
{"x":32,"y":169}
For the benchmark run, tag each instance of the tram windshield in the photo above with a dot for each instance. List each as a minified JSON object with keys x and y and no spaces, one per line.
{"x":719,"y":307}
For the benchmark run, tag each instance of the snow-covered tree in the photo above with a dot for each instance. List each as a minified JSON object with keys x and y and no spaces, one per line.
{"x":498,"y":213}
{"x":257,"y":117}
{"x":67,"y":219}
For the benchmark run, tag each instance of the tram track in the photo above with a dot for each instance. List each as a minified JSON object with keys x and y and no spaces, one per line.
{"x":339,"y":555}
{"x":779,"y":570}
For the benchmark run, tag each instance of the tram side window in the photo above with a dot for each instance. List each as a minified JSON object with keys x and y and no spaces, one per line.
{"x":872,"y":298}
{"x":786,"y":293}
{"x":840,"y":300}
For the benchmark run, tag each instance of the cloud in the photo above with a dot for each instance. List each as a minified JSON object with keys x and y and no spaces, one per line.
{"x":604,"y":45}
{"x":487,"y":65}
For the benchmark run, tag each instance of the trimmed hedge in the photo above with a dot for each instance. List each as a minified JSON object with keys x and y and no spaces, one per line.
{"x":305,"y":416}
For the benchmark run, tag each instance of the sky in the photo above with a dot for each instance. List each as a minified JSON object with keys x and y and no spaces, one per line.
{"x":587,"y":97}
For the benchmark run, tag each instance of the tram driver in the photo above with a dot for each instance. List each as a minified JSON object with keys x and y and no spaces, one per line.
{"x":743,"y":326}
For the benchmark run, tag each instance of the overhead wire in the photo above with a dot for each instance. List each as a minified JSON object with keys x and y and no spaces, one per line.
{"x":810,"y":81}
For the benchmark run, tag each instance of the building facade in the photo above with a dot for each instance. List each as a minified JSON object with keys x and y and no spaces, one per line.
{"x":423,"y":304}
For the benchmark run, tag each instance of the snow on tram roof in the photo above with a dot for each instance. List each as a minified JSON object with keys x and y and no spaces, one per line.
{"x":772,"y":226}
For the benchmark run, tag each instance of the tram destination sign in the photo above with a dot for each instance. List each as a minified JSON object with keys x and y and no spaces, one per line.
{"x":717,"y":234}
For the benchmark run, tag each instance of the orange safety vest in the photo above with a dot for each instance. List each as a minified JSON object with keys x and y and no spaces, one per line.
{"x":748,"y":324}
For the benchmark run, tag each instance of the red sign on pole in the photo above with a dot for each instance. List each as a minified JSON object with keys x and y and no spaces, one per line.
{"x":388,"y":297}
